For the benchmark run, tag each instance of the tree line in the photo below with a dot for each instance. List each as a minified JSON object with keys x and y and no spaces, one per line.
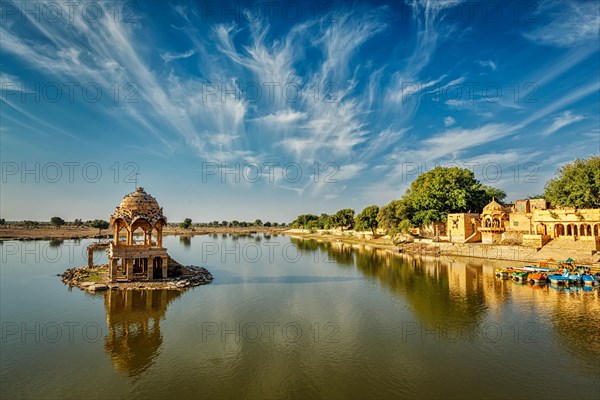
{"x":443,"y":190}
{"x":187,"y":224}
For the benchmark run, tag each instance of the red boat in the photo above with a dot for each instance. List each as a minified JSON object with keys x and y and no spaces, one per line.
{"x":537,"y":278}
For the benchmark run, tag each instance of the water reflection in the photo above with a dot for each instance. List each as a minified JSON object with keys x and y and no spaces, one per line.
{"x":133,"y":318}
{"x":186,"y":241}
{"x":436,"y":291}
{"x":463,"y":292}
{"x":576,"y":318}
{"x":55,"y":243}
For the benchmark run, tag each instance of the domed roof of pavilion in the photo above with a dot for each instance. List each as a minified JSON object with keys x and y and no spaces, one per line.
{"x":493,"y":207}
{"x":139,"y":204}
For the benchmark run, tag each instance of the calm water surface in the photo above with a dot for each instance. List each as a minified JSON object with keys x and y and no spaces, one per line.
{"x":287,"y":318}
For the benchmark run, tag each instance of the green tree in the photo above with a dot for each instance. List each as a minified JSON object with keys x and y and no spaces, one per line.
{"x":267,"y":224}
{"x":367,"y":219}
{"x":258,"y":222}
{"x":302,"y":220}
{"x":577,"y":184}
{"x":57,"y":221}
{"x":445,"y":190}
{"x":344,"y":218}
{"x":324,"y":221}
{"x":100,"y":224}
{"x":2,"y":221}
{"x":186,"y":223}
{"x":390,"y":215}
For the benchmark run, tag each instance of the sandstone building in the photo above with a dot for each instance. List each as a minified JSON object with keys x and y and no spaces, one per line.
{"x":528,"y":222}
{"x":131,"y":259}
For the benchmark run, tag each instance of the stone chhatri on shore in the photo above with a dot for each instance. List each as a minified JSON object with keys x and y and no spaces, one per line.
{"x":97,"y":279}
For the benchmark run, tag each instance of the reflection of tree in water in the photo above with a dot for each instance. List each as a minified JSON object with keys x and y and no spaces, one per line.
{"x":426,"y":286}
{"x":576,"y":320}
{"x":133,"y":318}
{"x":55,"y":242}
{"x":334,"y":251}
{"x":186,"y":241}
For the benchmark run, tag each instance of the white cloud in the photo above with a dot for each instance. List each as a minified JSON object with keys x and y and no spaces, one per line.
{"x":487,"y":63}
{"x":453,"y":141}
{"x":168,"y":56}
{"x":284,"y":117}
{"x":571,"y":23}
{"x":449,"y":121}
{"x":562,"y":120}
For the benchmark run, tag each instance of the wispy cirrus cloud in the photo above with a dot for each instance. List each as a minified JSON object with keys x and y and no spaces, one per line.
{"x":569,"y":23}
{"x":562,"y":120}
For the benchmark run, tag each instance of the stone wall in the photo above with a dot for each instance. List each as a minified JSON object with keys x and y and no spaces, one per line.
{"x":512,"y":237}
{"x":536,"y":241}
{"x":519,"y":222}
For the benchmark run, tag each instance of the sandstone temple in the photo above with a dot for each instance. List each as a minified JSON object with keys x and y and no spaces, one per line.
{"x":136,"y":251}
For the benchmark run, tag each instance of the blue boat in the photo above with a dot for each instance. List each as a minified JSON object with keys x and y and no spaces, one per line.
{"x":566,"y":278}
{"x":589,"y":280}
{"x":574,"y":279}
{"x":560,"y":279}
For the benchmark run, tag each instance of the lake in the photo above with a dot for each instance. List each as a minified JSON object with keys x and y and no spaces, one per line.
{"x":288,"y":318}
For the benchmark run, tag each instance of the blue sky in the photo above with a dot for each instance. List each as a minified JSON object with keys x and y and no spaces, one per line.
{"x":247,"y":110}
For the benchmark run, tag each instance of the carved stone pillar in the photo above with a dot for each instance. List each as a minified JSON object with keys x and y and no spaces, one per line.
{"x":129,"y":268}
{"x":112,"y":270}
{"x":165,"y":267}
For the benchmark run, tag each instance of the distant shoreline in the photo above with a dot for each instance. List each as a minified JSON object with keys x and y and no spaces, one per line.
{"x":426,"y":248}
{"x":73,"y":232}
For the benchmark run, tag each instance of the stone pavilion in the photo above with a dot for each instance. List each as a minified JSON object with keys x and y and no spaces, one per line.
{"x":136,"y":251}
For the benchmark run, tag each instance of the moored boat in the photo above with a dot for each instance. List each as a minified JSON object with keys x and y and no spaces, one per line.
{"x":502,"y":273}
{"x":559,"y":279}
{"x":520,"y":276}
{"x":574,"y":278}
{"x":589,"y":280}
{"x":537,"y":278}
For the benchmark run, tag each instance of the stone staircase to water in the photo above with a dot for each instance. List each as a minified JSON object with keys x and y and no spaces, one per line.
{"x":562,"y":249}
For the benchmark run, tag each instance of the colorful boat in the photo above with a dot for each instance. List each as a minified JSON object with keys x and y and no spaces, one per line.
{"x":502,"y":273}
{"x":574,"y":278}
{"x":560,"y":279}
{"x":589,"y":280}
{"x":520,"y":276}
{"x":537,"y":278}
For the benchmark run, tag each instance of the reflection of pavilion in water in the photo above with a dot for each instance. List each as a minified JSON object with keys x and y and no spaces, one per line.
{"x":133,"y":318}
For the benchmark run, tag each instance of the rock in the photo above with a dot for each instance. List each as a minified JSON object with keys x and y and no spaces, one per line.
{"x":97,"y":287}
{"x":86,"y":284}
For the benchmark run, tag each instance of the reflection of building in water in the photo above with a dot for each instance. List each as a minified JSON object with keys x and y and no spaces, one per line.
{"x":133,"y":318}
